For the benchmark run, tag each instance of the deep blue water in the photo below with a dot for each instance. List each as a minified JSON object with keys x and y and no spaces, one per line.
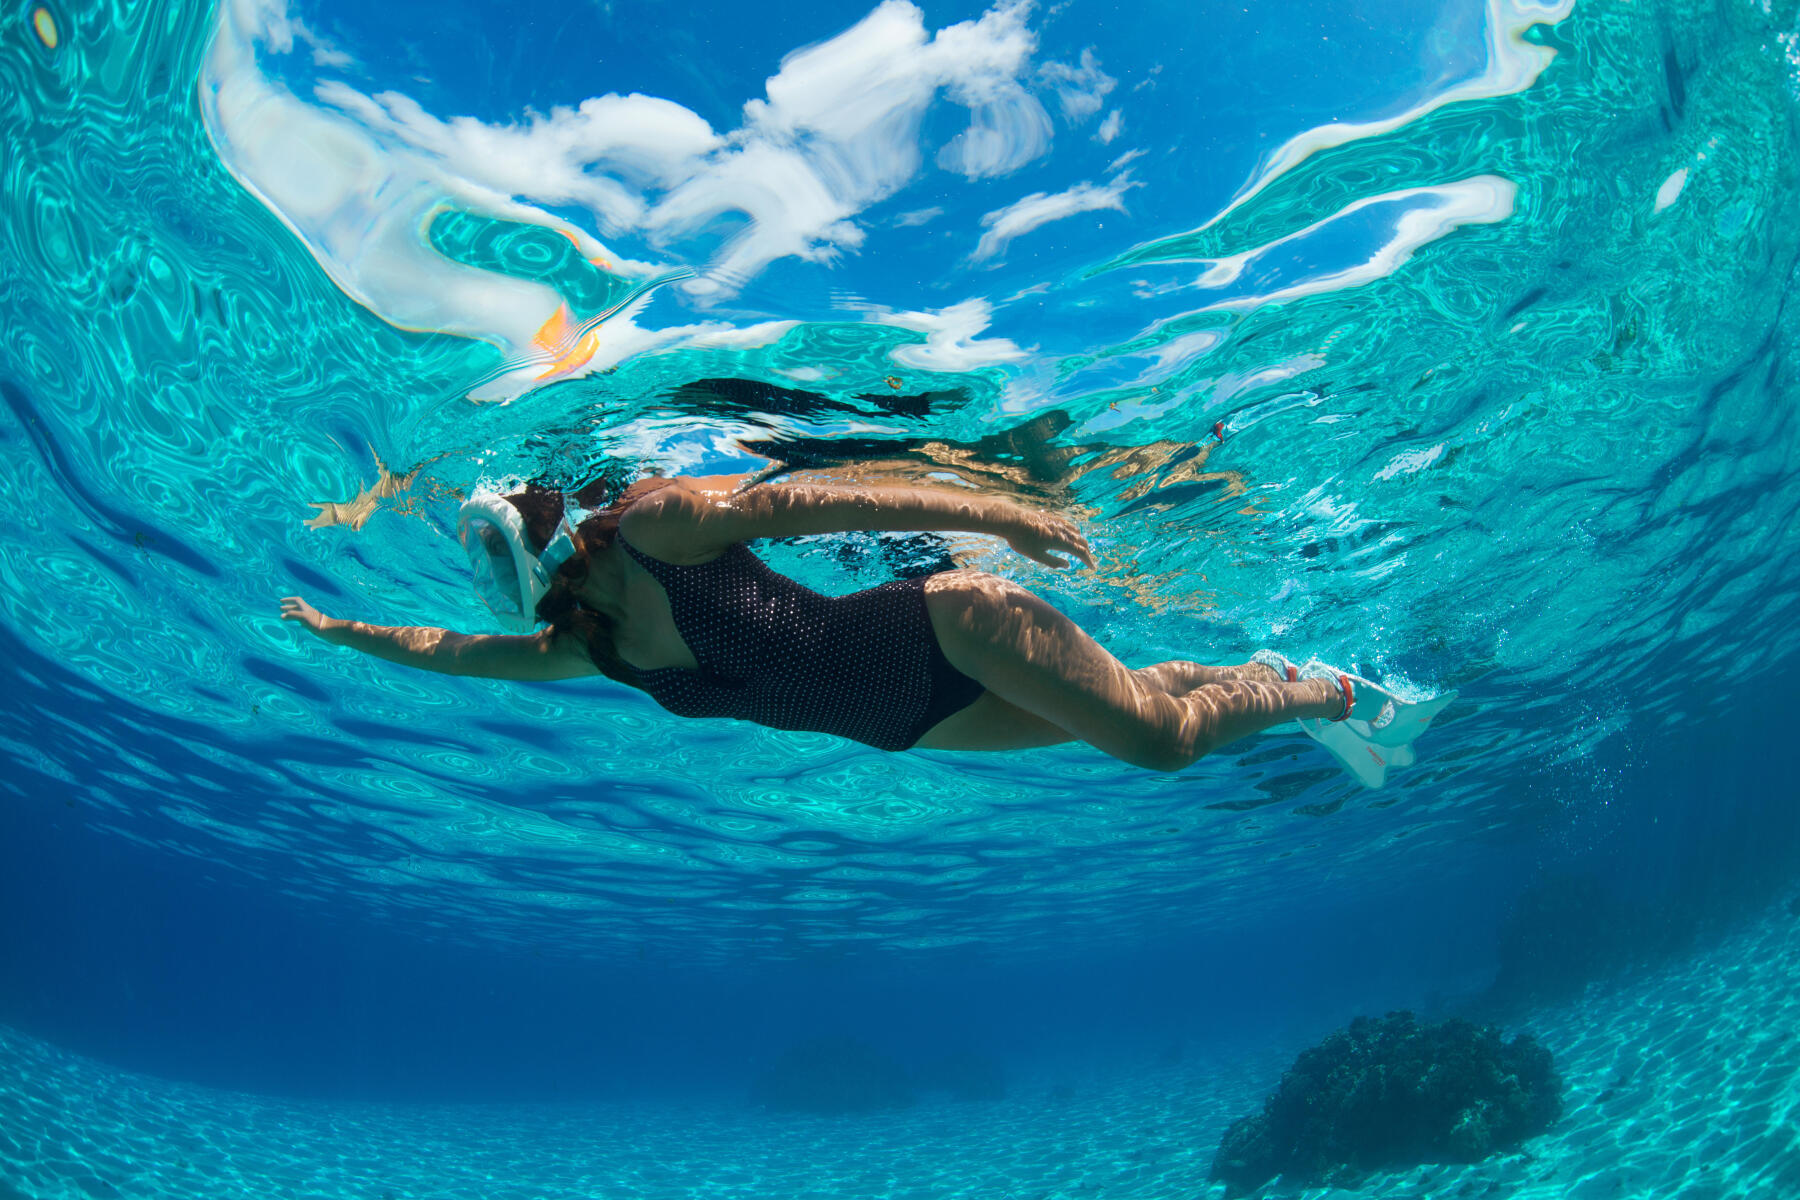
{"x":1489,"y":305}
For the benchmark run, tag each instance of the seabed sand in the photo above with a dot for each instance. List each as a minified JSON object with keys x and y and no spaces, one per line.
{"x":1682,"y":1083}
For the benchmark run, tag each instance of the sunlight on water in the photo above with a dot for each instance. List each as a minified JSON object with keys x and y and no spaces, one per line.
{"x":1498,"y":363}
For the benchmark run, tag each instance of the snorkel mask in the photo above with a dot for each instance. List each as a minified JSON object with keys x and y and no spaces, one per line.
{"x":509,"y":577}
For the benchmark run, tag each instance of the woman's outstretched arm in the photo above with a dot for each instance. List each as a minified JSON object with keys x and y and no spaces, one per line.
{"x":689,"y":522}
{"x":536,"y":656}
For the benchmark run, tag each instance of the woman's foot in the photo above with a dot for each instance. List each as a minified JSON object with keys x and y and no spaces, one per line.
{"x":1364,"y":704}
{"x":1280,"y":667}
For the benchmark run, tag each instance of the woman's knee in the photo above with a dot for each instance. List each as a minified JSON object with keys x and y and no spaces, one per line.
{"x":1165,"y":758}
{"x":1175,"y":677}
{"x":1161,"y":739}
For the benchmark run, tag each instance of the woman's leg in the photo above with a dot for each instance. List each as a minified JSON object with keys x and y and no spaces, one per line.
{"x":991,"y":723}
{"x":1038,"y":661}
{"x":1178,"y":676}
{"x":995,"y":724}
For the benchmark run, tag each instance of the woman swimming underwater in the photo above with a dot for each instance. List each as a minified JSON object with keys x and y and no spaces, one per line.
{"x":658,"y":591}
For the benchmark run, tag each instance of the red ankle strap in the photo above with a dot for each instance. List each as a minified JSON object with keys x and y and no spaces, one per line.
{"x":1349,"y":699}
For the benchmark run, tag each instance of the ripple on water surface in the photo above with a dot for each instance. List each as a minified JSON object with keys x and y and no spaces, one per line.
{"x":1545,"y":422}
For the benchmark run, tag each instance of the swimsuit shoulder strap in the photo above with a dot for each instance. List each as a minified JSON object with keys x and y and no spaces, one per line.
{"x":653,"y":565}
{"x":661,"y":569}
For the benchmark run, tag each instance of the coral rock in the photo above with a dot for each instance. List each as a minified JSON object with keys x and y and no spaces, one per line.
{"x":1388,"y":1094}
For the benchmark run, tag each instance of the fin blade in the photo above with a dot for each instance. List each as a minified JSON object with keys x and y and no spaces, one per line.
{"x":1367,"y":749}
{"x":1411,"y":718}
{"x":1366,"y":761}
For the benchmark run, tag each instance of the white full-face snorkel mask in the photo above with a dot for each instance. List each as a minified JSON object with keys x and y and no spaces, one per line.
{"x":509,"y":578}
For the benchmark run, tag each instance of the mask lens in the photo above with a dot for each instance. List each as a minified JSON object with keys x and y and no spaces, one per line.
{"x":491,"y":560}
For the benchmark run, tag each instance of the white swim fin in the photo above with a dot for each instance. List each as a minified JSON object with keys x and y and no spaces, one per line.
{"x":1380,"y":730}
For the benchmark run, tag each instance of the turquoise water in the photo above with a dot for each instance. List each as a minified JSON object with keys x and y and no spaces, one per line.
{"x":1488,"y":307}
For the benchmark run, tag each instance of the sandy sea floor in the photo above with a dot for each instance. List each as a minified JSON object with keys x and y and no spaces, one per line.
{"x":1681,"y":1083}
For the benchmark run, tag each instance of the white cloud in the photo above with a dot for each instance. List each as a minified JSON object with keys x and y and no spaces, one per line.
{"x":641,"y":140}
{"x":1081,"y":89}
{"x":840,"y":130}
{"x":281,"y":31}
{"x":1127,"y":157}
{"x":1000,"y":138}
{"x":358,"y":209}
{"x":267,"y":17}
{"x":980,"y":64}
{"x":325,"y":53}
{"x":359,"y":177}
{"x":1109,"y":128}
{"x":950,"y":341}
{"x":918,"y":216}
{"x":1040,"y":208}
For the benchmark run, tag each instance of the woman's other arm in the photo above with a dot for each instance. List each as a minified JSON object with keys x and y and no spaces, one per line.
{"x":537,"y":656}
{"x":686,"y":523}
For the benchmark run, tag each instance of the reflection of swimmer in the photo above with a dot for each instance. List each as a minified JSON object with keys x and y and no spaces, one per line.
{"x":657,"y":590}
{"x":1030,"y":461}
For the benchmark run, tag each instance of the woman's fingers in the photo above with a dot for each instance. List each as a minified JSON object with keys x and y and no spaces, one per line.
{"x":1053,"y":535}
{"x":1078,"y":546}
{"x":293,"y":608}
{"x":1067,"y":538}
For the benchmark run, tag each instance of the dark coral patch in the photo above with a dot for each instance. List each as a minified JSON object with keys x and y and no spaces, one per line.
{"x":1389,"y":1094}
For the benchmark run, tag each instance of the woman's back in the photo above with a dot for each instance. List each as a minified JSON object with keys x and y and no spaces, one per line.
{"x":775,"y":652}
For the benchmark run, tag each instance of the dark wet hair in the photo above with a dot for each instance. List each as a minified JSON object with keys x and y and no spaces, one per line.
{"x":542,"y":508}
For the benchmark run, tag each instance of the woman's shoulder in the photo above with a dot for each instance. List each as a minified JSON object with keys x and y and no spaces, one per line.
{"x":675,"y":522}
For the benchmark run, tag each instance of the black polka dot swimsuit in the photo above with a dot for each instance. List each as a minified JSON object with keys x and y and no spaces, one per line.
{"x":865,"y":666}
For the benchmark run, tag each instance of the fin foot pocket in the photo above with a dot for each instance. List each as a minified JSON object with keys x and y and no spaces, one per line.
{"x":1379,"y":733}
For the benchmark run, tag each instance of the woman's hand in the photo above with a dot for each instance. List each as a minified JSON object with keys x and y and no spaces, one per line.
{"x":1042,"y":536}
{"x":293,"y":608}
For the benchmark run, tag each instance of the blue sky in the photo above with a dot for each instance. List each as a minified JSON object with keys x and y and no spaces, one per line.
{"x":832,"y":163}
